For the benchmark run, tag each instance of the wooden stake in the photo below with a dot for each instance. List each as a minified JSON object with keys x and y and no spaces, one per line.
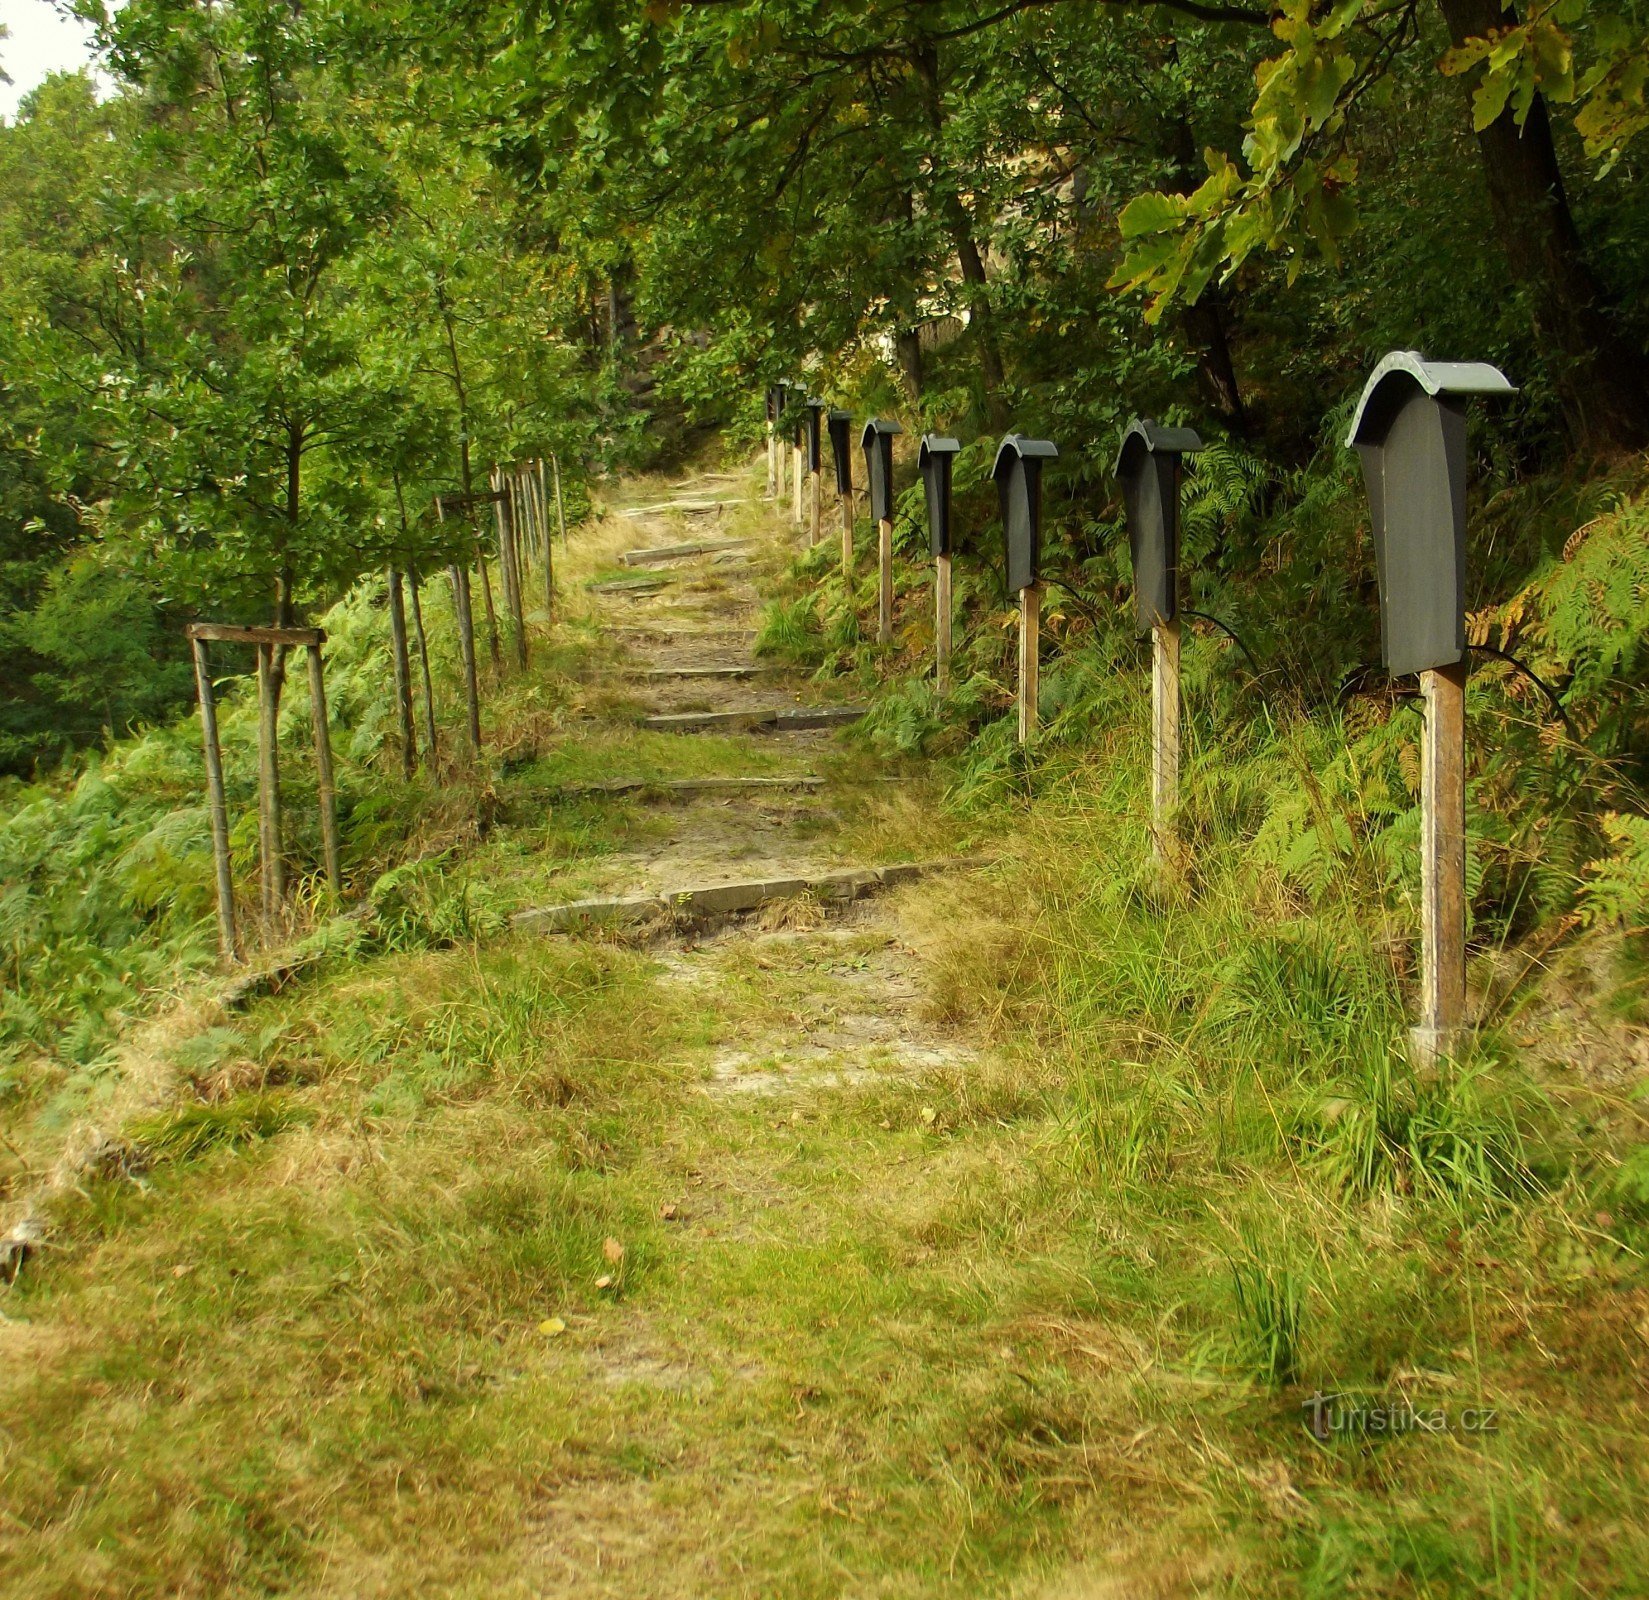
{"x":413,"y":584}
{"x":1442,"y":866}
{"x":403,"y":670}
{"x":493,"y":648}
{"x":542,"y":502}
{"x":884,"y":560}
{"x":847,"y":542}
{"x":817,"y":532}
{"x":466,"y":650}
{"x":1030,"y":658}
{"x":509,"y":567}
{"x":941,"y":625}
{"x":327,"y":792}
{"x":772,"y":463}
{"x":228,"y":943}
{"x":1165,"y":638}
{"x":799,"y":473}
{"x":271,"y":868}
{"x":560,"y":505}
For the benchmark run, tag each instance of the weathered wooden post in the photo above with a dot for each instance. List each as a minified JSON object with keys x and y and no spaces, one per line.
{"x":815,"y":466}
{"x":228,"y":941}
{"x":772,"y":403}
{"x":1410,"y":431}
{"x":1148,"y":467}
{"x":414,"y":584}
{"x":560,"y":504}
{"x":1018,"y":474}
{"x":877,"y":443}
{"x":458,"y":573}
{"x":326,"y":789}
{"x":839,"y":424}
{"x":271,"y":863}
{"x":509,"y":565}
{"x":798,"y":452}
{"x":935,"y":460}
{"x":401,"y":662}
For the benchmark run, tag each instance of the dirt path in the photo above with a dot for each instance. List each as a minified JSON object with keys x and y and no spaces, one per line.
{"x":688,"y":648}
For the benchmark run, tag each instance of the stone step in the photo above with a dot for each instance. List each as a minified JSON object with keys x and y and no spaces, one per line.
{"x":640,"y":585}
{"x":689,"y":786}
{"x":676,"y":552}
{"x":804,"y":717}
{"x":728,"y":673}
{"x":688,"y":508}
{"x":679,"y":906}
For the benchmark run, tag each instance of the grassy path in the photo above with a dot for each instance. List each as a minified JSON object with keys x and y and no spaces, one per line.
{"x":982,"y":1237}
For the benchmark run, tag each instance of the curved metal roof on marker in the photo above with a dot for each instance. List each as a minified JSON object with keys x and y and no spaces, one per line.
{"x":1020,"y":448}
{"x":1434,"y":377}
{"x":1153,"y":437}
{"x":936,"y":444}
{"x":876,"y":425}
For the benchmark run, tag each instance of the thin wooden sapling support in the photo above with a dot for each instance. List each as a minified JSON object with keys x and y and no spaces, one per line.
{"x":1018,"y":474}
{"x":935,"y":461}
{"x":877,"y":443}
{"x":458,"y":572}
{"x":1148,"y":467}
{"x":839,"y":425}
{"x":228,"y":938}
{"x":414,"y":585}
{"x":401,"y":661}
{"x":1410,"y":432}
{"x":272,"y":866}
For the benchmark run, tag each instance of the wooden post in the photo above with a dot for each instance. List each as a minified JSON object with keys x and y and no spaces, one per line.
{"x":490,"y":613}
{"x":772,"y":462}
{"x":798,"y":472}
{"x":228,"y":943}
{"x":509,"y":566}
{"x":272,"y":868}
{"x":1165,"y":638}
{"x":466,"y":650}
{"x":884,"y":560}
{"x":423,"y":666}
{"x":941,"y":623}
{"x":536,"y":481}
{"x":327,"y":791}
{"x":1442,"y":866}
{"x":402,"y":664}
{"x":560,"y":505}
{"x":817,"y":532}
{"x":1030,"y":658}
{"x":847,"y":542}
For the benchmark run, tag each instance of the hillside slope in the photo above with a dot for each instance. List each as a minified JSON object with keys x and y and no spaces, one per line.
{"x":987,"y":1233}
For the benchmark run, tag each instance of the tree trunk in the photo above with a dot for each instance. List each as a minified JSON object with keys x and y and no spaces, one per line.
{"x":909,"y":349}
{"x":1597,"y":373}
{"x":959,"y":226}
{"x":1205,"y":321}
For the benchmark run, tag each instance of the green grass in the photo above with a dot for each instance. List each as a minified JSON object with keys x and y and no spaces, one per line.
{"x":456,"y":1271}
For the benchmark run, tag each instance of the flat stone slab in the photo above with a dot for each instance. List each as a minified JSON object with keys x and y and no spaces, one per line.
{"x":690,"y":786}
{"x":750,"y":721}
{"x":677,"y":552}
{"x":639,"y":585}
{"x":722,"y":899}
{"x":696,"y":507}
{"x":730,"y":673}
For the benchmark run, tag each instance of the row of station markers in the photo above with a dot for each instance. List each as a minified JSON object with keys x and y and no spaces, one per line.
{"x":1409,"y":431}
